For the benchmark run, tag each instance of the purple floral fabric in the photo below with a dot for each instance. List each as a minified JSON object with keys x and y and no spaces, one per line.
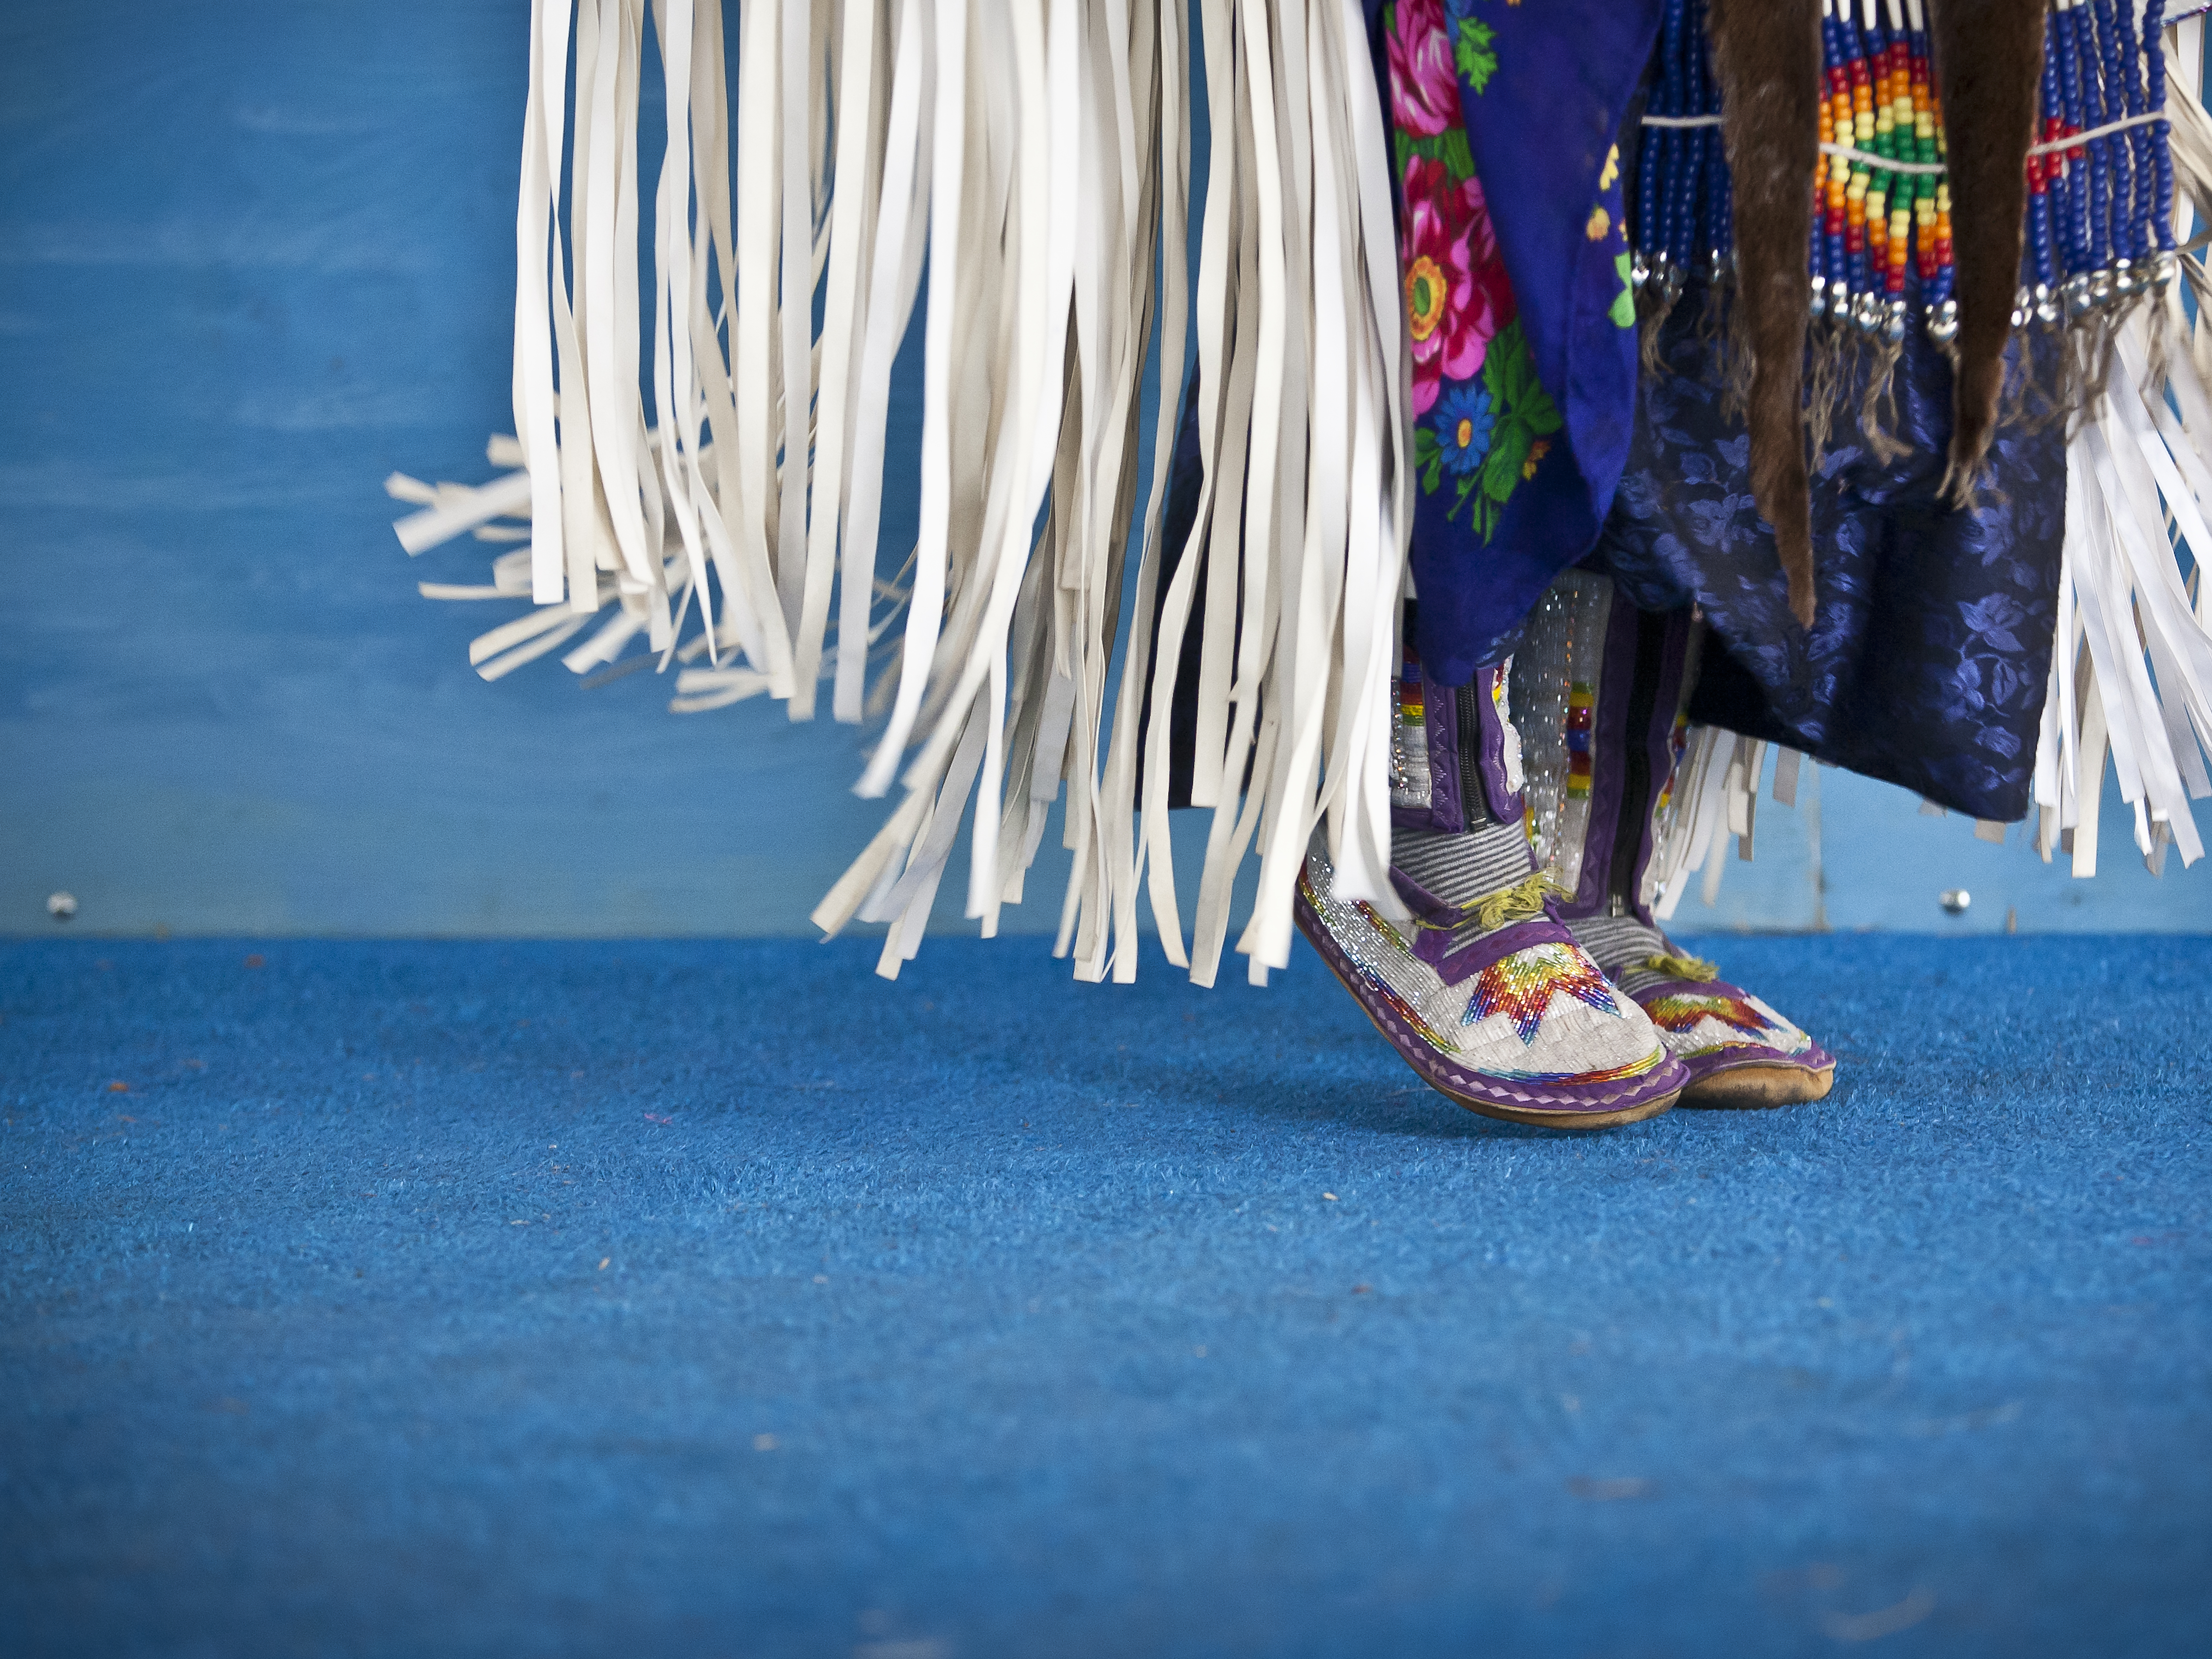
{"x":1485,"y":423}
{"x":1515,"y":263}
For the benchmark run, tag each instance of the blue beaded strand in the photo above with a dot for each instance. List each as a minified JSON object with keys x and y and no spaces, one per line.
{"x":2165,"y":262}
{"x":2141,"y":189}
{"x":1647,"y":202}
{"x":2120,"y":155}
{"x":2080,"y":202}
{"x":2049,"y":210}
{"x":2098,"y":169}
{"x":1710,"y":167}
{"x":1673,"y":155}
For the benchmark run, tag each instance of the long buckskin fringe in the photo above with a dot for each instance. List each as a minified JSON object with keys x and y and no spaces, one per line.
{"x":1033,"y":157}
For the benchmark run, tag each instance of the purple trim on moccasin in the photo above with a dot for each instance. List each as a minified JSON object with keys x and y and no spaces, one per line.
{"x":1457,"y":962}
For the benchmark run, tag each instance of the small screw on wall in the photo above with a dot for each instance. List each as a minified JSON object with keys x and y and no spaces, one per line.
{"x":1954,"y":901}
{"x":61,"y":906}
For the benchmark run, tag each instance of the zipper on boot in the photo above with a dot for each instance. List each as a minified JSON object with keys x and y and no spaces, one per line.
{"x":1471,"y":791}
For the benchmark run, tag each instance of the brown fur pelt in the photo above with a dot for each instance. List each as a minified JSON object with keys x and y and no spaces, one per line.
{"x":1989,"y":58}
{"x":1767,"y":54}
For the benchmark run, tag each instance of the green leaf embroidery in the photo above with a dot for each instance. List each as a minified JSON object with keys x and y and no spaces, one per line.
{"x":1471,"y":53}
{"x":1501,"y":473}
{"x":1623,"y":315}
{"x":1452,"y":151}
{"x":1505,"y":367}
{"x":1522,"y":412}
{"x":1516,"y":396}
{"x":1428,"y":146}
{"x":1428,"y":459}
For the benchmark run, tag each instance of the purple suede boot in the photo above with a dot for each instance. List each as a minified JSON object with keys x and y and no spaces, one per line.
{"x":1600,"y":685}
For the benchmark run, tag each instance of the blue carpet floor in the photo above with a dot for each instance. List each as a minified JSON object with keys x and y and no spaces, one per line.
{"x":719,"y":1299}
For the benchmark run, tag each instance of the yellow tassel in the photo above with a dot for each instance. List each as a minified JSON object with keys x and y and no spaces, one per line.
{"x":1522,"y":902}
{"x":1694,"y":969}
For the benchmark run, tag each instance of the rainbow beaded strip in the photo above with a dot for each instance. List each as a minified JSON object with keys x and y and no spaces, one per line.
{"x":2099,"y":231}
{"x":1581,"y":714}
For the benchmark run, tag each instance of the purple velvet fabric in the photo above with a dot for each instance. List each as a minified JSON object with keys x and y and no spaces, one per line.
{"x":1609,"y":740}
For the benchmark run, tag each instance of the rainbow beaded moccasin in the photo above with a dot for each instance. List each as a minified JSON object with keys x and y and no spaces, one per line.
{"x":1739,"y":1052}
{"x":1494,"y":1004}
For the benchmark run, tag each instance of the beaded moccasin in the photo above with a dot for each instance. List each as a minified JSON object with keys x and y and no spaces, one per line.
{"x":1601,"y":686}
{"x":1483,"y":992}
{"x":1494,"y":1004}
{"x":1739,"y":1052}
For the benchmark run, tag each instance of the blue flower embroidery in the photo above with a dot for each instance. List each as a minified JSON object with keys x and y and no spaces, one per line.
{"x":1461,"y":421}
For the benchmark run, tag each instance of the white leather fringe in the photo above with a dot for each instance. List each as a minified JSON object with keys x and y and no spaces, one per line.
{"x":1714,"y":796}
{"x":2132,"y":666}
{"x":718,"y":503}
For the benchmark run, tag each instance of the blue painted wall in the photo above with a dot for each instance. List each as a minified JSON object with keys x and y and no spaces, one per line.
{"x":252,"y":258}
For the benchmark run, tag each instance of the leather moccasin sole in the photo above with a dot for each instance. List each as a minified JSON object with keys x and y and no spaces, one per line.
{"x":1756,"y":1087}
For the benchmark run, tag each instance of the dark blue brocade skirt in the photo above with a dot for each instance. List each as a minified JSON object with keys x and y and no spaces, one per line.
{"x":1930,"y":653}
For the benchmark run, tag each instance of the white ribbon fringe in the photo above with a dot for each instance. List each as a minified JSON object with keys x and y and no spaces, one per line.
{"x":1033,"y":156}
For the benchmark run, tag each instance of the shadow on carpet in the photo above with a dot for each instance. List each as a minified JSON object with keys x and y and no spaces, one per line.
{"x":713,"y":1300}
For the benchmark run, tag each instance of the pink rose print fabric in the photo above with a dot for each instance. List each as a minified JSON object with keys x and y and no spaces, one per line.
{"x":1423,"y":85}
{"x":1484,"y":423}
{"x":1457,"y":296}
